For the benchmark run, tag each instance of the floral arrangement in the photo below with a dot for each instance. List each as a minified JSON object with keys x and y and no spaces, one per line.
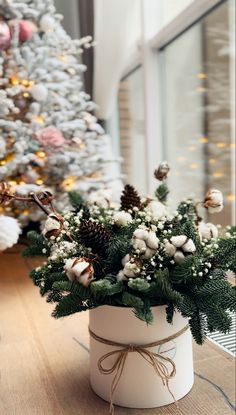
{"x":138,"y":255}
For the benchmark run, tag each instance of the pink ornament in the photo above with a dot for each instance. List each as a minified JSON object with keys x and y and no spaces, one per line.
{"x":26,"y":30}
{"x":50,"y":137}
{"x":5,"y":36}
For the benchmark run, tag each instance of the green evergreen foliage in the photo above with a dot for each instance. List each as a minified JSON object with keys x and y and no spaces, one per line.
{"x":123,"y":275}
{"x":162,"y":192}
{"x":144,"y":313}
{"x":132,"y":300}
{"x":76,"y":200}
{"x":37,"y":245}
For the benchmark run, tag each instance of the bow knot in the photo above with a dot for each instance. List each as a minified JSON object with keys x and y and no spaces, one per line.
{"x":164,"y":366}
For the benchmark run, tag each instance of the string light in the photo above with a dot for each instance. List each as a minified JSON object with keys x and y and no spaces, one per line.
{"x":203,"y":140}
{"x":69,"y":182}
{"x":40,"y":154}
{"x":39,"y":119}
{"x":217,"y":174}
{"x":201,"y":75}
{"x":194,"y":166}
{"x":39,"y":182}
{"x":181,"y":159}
{"x":231,"y":197}
{"x":221,"y":145}
{"x":212,"y":161}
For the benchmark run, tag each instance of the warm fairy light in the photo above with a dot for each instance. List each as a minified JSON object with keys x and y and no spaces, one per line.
{"x":181,"y":159}
{"x":231,"y":197}
{"x":194,"y":166}
{"x":232,"y":145}
{"x":63,"y":58}
{"x":39,"y":119}
{"x":40,"y":154}
{"x":191,"y":148}
{"x":17,"y":81}
{"x":203,"y":140}
{"x":12,"y":183}
{"x":68,"y":183}
{"x":22,"y":182}
{"x":212,"y":161}
{"x":26,"y":212}
{"x":26,"y":95}
{"x":221,"y":145}
{"x":9,"y":157}
{"x":39,"y":182}
{"x":218,"y":174}
{"x":201,"y":75}
{"x":14,"y":80}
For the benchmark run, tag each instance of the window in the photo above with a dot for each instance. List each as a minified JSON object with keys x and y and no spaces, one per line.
{"x":197,"y":113}
{"x":132,"y":136}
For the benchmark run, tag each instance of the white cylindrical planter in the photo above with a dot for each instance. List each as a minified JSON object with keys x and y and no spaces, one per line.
{"x":139,"y":385}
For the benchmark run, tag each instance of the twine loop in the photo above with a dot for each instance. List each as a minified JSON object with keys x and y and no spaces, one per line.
{"x":164,"y":366}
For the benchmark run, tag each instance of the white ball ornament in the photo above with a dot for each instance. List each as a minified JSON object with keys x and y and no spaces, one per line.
{"x":9,"y":232}
{"x":47,"y":23}
{"x":39,"y":92}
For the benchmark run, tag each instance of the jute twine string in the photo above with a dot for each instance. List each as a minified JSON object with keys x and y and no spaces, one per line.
{"x":159,"y":362}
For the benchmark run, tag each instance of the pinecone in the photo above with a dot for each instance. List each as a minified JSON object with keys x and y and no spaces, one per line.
{"x":95,"y":236}
{"x":130,"y":198}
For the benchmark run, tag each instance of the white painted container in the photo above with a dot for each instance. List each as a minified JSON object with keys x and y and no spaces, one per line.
{"x":139,"y":385}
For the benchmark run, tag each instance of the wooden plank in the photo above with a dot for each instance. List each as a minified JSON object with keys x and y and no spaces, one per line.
{"x":44,"y":363}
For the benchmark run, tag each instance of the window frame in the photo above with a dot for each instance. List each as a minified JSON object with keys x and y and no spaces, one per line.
{"x":148,"y":54}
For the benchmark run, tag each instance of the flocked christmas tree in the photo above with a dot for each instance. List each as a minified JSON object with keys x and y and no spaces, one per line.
{"x":48,"y":135}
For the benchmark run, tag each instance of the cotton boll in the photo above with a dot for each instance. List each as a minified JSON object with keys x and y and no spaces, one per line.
{"x":139,"y":244}
{"x":141,"y":234}
{"x":39,"y":92}
{"x":170,"y":249}
{"x":122,"y":218}
{"x":152,"y":241}
{"x":149,"y":253}
{"x":189,"y":246}
{"x":208,"y":230}
{"x":121,"y":276}
{"x":125,"y":259}
{"x":214,"y":201}
{"x":78,"y":269}
{"x":179,"y":257}
{"x":9,"y":232}
{"x":156,"y":210}
{"x":179,"y":240}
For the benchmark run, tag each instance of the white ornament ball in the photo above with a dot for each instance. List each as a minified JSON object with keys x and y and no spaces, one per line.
{"x":9,"y":232}
{"x":39,"y":92}
{"x":47,"y":23}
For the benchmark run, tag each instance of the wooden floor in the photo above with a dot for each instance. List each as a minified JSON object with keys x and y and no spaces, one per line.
{"x":44,"y":363}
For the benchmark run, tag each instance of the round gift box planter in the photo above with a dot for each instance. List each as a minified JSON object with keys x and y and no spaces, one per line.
{"x":139,"y":384}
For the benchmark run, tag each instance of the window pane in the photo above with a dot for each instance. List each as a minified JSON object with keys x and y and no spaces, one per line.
{"x":198,"y":114}
{"x":132,"y":138}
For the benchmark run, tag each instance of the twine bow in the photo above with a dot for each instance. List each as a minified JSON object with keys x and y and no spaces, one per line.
{"x":159,"y":362}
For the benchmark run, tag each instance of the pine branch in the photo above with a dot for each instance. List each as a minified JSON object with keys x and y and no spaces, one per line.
{"x":38,"y":244}
{"x":162,"y":192}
